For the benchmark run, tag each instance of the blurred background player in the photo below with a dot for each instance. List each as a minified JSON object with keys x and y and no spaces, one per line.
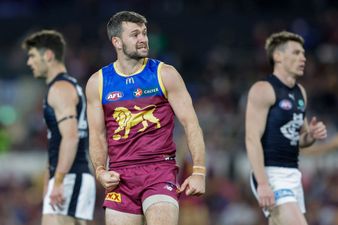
{"x":276,"y":127}
{"x":69,"y":193}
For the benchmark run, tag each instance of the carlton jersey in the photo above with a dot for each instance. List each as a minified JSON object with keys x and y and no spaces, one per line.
{"x":285,"y":118}
{"x":80,"y":164}
{"x":138,"y":117}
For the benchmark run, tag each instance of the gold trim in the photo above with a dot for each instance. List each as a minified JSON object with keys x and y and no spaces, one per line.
{"x":145,"y":60}
{"x":100,"y":84}
{"x":160,"y":80}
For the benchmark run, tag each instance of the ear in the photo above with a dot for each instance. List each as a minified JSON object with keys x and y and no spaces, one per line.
{"x":49,"y":55}
{"x":277,"y":56}
{"x":117,"y":42}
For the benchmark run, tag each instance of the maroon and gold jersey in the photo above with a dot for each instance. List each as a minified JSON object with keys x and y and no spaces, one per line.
{"x":138,"y":117}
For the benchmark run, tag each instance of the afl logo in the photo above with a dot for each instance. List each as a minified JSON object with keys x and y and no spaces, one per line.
{"x":114,"y":96}
{"x":285,"y":104}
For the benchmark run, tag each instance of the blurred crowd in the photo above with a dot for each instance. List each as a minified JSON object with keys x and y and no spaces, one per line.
{"x":218,"y":47}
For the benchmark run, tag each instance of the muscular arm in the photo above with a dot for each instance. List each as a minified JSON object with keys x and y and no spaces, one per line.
{"x":261,"y":97}
{"x":310,"y":132}
{"x":63,"y":98}
{"x":98,"y":149}
{"x":321,"y":147}
{"x":305,"y":138}
{"x":181,"y":103}
{"x":97,"y":131}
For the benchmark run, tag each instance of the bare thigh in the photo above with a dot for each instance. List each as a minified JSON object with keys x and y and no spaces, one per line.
{"x":162,"y":213}
{"x":114,"y":217}
{"x":287,"y":214}
{"x":48,"y":219}
{"x":194,"y":215}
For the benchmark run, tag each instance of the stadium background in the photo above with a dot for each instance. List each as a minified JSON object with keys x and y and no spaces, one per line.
{"x":217,"y":46}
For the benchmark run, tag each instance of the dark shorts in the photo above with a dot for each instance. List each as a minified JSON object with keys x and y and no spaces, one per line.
{"x":140,"y":182}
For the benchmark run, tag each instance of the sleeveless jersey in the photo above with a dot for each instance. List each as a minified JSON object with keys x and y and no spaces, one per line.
{"x":80,"y":164}
{"x":138,"y":117}
{"x":285,"y":118}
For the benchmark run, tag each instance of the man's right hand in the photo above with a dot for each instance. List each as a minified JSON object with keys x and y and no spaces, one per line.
{"x":109,"y":179}
{"x":56,"y":197}
{"x":266,"y":197}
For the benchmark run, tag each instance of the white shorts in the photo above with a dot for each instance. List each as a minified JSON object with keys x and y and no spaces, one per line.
{"x":79,"y":194}
{"x":286,"y":183}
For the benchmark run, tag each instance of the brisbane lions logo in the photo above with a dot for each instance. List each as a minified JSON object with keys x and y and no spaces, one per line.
{"x":126,"y":120}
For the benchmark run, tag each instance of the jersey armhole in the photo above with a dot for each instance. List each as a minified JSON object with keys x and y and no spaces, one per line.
{"x":275,"y":93}
{"x":164,"y":91}
{"x":302,"y":93}
{"x":100,"y":84}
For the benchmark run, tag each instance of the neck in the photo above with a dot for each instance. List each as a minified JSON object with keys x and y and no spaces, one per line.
{"x":286,"y":78}
{"x":129,"y":66}
{"x":54,"y":70}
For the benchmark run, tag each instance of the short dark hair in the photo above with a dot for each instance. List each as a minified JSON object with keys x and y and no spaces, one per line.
{"x":46,"y":39}
{"x":278,"y":39}
{"x":114,"y":26}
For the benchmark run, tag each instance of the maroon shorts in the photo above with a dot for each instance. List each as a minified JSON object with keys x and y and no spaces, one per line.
{"x":138,"y":183}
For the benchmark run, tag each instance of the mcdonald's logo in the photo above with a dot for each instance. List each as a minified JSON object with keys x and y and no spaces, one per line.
{"x":130,"y":80}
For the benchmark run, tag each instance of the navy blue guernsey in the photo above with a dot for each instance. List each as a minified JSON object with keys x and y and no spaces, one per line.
{"x":285,"y":118}
{"x":80,"y":164}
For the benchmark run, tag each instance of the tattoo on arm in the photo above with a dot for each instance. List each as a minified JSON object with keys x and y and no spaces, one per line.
{"x":66,"y":118}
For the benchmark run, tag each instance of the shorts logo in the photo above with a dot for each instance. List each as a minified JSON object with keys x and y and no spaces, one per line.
{"x":282,"y":193}
{"x":169,"y":157}
{"x":285,"y":104}
{"x":114,"y":197}
{"x":114,"y":96}
{"x":170,"y":186}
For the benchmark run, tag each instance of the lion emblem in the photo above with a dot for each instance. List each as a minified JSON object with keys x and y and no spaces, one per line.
{"x":126,"y":120}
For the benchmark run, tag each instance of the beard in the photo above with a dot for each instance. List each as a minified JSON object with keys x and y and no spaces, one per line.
{"x":37,"y":73}
{"x":134,"y":54}
{"x":41,"y":71}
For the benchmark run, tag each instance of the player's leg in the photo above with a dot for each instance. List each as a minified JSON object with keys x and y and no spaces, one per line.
{"x":160,"y":197}
{"x":49,"y":219}
{"x":114,"y":217}
{"x":287,"y":214}
{"x":289,"y":197}
{"x":81,"y":222}
{"x":271,"y":222}
{"x":162,"y":213}
{"x":194,"y":214}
